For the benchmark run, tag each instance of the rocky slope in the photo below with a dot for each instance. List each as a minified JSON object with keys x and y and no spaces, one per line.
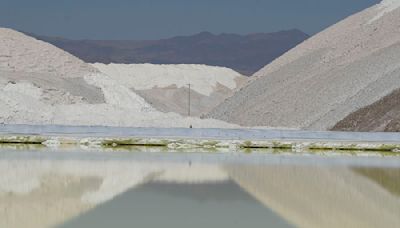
{"x":383,"y":115}
{"x":245,"y":54}
{"x":348,"y":66}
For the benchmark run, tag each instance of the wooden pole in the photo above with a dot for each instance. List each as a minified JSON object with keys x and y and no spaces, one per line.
{"x":189,"y":101}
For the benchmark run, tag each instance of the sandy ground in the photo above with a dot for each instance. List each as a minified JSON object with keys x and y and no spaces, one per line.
{"x":317,"y":84}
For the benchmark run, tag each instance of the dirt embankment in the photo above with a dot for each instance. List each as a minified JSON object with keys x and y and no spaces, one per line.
{"x":383,"y":115}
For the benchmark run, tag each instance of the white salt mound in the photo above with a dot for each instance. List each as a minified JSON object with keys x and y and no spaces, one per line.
{"x":166,"y":86}
{"x":41,"y":84}
{"x":386,"y":6}
{"x":315,"y":85}
{"x":21,"y":53}
{"x":203,"y":79}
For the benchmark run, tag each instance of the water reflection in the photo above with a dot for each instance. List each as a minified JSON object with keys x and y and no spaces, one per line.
{"x":103,"y":191}
{"x":320,"y":196}
{"x":164,"y":204}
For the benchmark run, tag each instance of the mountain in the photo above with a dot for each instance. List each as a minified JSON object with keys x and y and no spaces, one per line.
{"x":331,"y":76}
{"x":245,"y":54}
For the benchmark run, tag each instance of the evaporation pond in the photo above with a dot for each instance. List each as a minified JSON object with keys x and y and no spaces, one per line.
{"x":118,"y":189}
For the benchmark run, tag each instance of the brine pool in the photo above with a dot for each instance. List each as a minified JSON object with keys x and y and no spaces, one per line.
{"x":80,"y":188}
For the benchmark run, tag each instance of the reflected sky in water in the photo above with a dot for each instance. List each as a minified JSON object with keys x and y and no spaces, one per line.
{"x":222,"y":204}
{"x":93,"y":189}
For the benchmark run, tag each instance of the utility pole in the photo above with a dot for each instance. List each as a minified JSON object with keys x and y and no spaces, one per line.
{"x":189,"y":101}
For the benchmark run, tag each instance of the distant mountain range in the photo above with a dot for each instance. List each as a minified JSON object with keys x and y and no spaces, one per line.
{"x":244,"y":53}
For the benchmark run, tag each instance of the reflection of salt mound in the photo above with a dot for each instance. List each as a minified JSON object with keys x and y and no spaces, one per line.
{"x":41,"y":84}
{"x":319,"y":196}
{"x":23,"y":177}
{"x":336,"y":72}
{"x":166,"y":86}
{"x":194,"y":174}
{"x":47,"y":193}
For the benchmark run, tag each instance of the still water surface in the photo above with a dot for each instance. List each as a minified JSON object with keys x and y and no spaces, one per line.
{"x":95,"y":189}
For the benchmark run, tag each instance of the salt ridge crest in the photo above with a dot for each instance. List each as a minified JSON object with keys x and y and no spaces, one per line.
{"x":386,"y":6}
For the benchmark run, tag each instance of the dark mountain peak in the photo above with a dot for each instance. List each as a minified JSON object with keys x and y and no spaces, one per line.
{"x":243,"y":53}
{"x":290,"y":32}
{"x":198,"y":37}
{"x":204,"y":34}
{"x":42,"y":37}
{"x":295,"y":30}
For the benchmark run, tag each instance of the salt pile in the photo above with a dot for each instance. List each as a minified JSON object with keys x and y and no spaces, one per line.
{"x":333,"y":74}
{"x":41,"y":84}
{"x":386,"y":6}
{"x":166,"y":86}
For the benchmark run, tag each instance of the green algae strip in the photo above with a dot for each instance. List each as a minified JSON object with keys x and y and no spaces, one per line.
{"x":23,"y":139}
{"x":188,"y":143}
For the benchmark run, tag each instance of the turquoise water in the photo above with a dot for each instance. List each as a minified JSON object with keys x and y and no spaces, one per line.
{"x":78,"y":188}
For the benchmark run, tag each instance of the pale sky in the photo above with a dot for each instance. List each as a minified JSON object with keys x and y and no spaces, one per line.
{"x":155,"y":19}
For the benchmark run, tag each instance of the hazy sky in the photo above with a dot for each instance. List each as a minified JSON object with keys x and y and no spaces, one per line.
{"x":154,"y":19}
